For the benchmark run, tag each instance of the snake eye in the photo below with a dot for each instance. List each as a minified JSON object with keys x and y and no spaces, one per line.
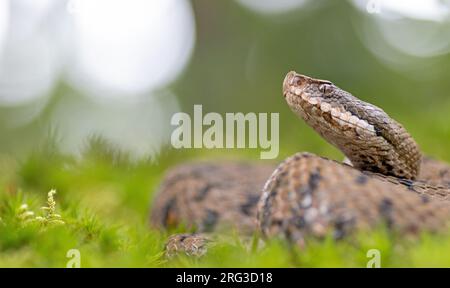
{"x":297,"y":80}
{"x":325,"y":88}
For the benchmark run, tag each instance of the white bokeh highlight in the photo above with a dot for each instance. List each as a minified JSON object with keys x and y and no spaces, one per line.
{"x":118,"y":55}
{"x":139,"y":127}
{"x":125,"y":48}
{"x":4,"y":22}
{"x":272,"y":6}
{"x":404,"y":33}
{"x":29,"y":62}
{"x":429,"y":10}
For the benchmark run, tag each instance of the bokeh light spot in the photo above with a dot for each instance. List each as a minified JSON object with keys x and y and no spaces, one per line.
{"x":128,"y":47}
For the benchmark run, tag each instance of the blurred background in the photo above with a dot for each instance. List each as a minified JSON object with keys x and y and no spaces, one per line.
{"x":119,"y":69}
{"x":88,"y":88}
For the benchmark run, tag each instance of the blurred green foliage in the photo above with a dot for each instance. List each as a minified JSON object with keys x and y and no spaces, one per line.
{"x":241,"y":58}
{"x":239,"y":62}
{"x":104,"y":201}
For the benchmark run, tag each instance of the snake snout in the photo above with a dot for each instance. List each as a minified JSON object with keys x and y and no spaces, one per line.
{"x":287,"y":82}
{"x":292,"y":79}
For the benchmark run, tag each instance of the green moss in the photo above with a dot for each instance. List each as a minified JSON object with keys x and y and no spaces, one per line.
{"x":104,"y":202}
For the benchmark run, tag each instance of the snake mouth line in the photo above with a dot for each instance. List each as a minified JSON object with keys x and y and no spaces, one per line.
{"x":340,"y":118}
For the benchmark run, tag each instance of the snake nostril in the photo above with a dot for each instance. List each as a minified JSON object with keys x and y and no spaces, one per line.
{"x":288,"y":81}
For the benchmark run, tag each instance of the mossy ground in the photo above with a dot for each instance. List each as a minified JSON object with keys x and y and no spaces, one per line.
{"x":104,"y":198}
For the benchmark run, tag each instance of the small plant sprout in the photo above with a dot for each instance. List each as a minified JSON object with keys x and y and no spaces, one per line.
{"x":24,"y":214}
{"x":50,"y":217}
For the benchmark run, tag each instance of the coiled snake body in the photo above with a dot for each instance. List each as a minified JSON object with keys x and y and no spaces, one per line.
{"x":385,"y":181}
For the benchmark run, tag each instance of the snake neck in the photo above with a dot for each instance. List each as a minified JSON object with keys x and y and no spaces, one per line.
{"x":368,"y":137}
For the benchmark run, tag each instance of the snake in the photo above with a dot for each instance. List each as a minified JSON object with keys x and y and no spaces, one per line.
{"x":383,"y":181}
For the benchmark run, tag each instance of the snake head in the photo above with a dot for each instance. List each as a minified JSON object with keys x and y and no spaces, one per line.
{"x":302,"y":93}
{"x":363,"y":132}
{"x":307,"y":96}
{"x":297,"y":84}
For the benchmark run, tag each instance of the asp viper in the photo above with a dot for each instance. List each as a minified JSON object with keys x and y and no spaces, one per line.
{"x":384,"y":180}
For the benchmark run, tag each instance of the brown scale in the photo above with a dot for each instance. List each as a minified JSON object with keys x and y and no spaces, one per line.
{"x":435,"y":172}
{"x":190,"y":244}
{"x":210,"y":197}
{"x":391,"y":184}
{"x":339,"y":199}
